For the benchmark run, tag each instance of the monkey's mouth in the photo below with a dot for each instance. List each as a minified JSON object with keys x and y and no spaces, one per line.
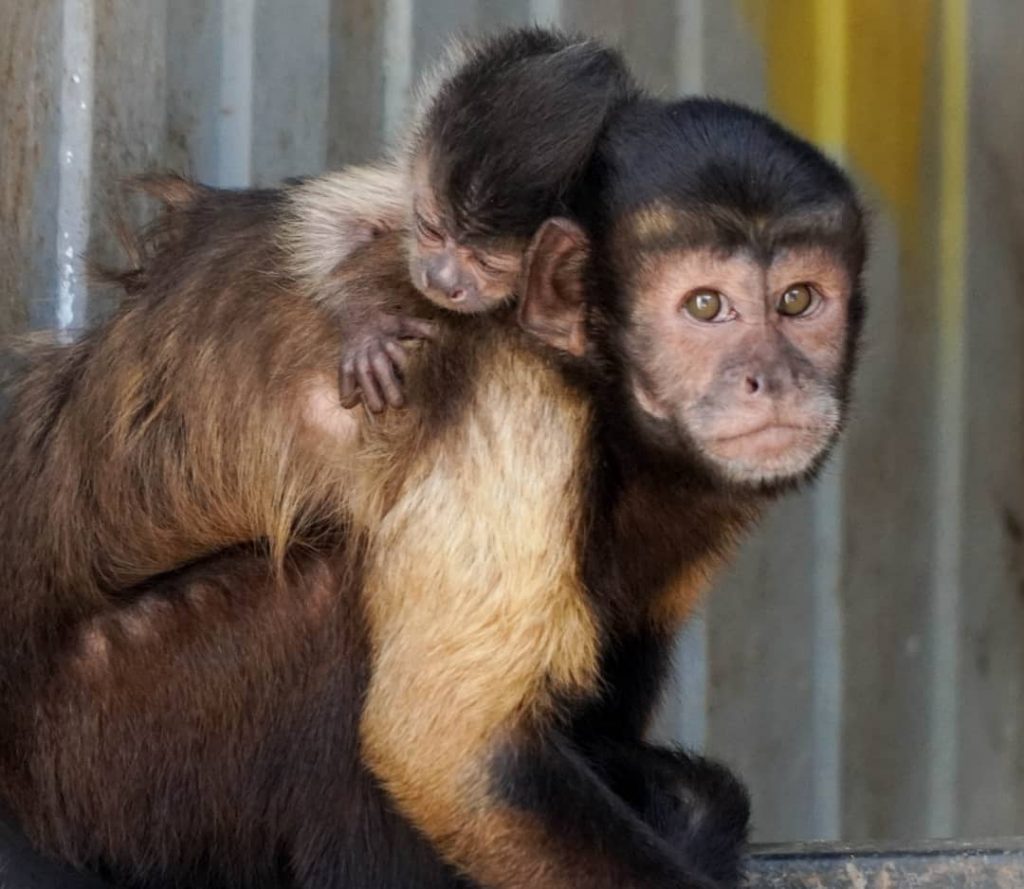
{"x":765,"y":437}
{"x":769,"y":451}
{"x":461,"y":301}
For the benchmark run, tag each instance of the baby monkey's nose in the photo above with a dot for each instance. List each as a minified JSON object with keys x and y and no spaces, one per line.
{"x":441,"y":277}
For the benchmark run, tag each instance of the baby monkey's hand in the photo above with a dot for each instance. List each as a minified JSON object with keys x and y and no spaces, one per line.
{"x":373,"y":360}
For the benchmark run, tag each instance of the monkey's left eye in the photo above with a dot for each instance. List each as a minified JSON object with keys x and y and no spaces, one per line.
{"x":706,"y":305}
{"x":427,"y":231}
{"x":797,"y":300}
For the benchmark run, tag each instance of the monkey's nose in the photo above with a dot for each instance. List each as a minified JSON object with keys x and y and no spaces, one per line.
{"x":457,"y":296}
{"x":754,"y":384}
{"x":439,"y":279}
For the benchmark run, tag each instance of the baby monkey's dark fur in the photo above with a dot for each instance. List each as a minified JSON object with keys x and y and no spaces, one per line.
{"x":509,"y":134}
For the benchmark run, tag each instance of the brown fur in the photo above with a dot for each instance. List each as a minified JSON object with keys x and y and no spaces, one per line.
{"x":469,"y":608}
{"x":202,"y":415}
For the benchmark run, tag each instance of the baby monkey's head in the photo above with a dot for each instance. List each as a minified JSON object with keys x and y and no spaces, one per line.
{"x":498,"y":150}
{"x":455,"y":267}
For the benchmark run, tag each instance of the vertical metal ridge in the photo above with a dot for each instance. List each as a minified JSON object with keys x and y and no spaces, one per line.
{"x":945,"y":617}
{"x":827,"y":504}
{"x":74,"y":173}
{"x":235,"y":120}
{"x":828,"y":497}
{"x":398,"y":66}
{"x":547,"y":12}
{"x":693,"y":650}
{"x":690,"y":46}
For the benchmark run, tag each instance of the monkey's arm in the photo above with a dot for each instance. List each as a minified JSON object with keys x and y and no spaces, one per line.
{"x":512,"y":803}
{"x":329,"y":219}
{"x":374,"y":317}
{"x":694,"y":804}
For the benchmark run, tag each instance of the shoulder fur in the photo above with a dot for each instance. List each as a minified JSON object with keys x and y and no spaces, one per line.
{"x":328,"y":216}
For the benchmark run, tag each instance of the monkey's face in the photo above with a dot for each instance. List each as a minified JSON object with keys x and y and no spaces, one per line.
{"x":451,"y":273}
{"x":737,"y":363}
{"x":740,"y":358}
{"x":721,"y":299}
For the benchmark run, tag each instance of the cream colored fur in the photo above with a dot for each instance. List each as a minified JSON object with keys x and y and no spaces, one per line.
{"x":329,"y":216}
{"x":475,"y":603}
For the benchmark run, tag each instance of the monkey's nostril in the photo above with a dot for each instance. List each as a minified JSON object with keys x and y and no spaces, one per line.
{"x":457,"y":295}
{"x":754,"y":385}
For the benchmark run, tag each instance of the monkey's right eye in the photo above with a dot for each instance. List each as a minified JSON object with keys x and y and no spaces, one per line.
{"x":706,"y":305}
{"x":427,"y":231}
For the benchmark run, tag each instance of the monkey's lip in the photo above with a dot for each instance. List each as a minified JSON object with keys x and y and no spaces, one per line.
{"x":772,"y":436}
{"x":463,"y":305}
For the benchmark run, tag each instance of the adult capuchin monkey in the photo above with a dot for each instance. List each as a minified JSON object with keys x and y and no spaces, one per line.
{"x":452,"y":685}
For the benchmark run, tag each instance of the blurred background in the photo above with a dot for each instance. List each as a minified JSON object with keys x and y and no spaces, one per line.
{"x":862,"y":665}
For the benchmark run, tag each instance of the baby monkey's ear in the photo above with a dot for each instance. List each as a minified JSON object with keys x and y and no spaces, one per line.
{"x":551,"y":303}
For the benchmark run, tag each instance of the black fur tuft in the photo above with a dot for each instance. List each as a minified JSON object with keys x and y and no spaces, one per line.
{"x":752,"y":183}
{"x":511,"y":132}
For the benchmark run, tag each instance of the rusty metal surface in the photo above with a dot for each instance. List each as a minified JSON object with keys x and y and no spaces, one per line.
{"x":991,"y":864}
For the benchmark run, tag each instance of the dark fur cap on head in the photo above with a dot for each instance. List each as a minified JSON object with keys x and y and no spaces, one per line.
{"x":736,"y":179}
{"x":509,"y":134}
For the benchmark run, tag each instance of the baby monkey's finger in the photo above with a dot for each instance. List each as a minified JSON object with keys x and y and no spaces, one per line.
{"x":397,"y":354}
{"x":348,"y":387}
{"x":418,"y":328}
{"x":371,"y":397}
{"x":384,"y":374}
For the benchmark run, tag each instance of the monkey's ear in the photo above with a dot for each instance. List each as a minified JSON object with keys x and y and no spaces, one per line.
{"x":551,"y":304}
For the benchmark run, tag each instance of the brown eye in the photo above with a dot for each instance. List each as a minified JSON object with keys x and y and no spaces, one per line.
{"x":796,"y":300}
{"x":704,"y":305}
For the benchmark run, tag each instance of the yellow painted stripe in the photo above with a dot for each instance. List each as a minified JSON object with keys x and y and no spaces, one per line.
{"x":830,"y":111}
{"x":853,"y":75}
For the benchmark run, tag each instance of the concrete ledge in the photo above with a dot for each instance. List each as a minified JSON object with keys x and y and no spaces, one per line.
{"x":988,"y":864}
{"x":979,"y":864}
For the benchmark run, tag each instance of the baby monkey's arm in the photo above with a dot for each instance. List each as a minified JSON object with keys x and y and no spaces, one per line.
{"x":374,"y":320}
{"x":364,"y":211}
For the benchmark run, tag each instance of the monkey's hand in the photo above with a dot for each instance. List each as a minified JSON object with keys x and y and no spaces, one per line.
{"x":374,"y":359}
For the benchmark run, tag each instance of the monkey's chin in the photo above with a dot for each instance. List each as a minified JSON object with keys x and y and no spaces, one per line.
{"x":771,"y":454}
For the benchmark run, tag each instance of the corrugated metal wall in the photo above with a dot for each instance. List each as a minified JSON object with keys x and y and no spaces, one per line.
{"x":863,"y":663}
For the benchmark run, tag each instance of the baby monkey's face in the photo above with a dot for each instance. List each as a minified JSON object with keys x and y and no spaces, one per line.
{"x":451,"y":273}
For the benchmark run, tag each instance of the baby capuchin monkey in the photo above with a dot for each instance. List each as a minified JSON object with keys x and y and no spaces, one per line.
{"x":498,"y":148}
{"x":504,"y":131}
